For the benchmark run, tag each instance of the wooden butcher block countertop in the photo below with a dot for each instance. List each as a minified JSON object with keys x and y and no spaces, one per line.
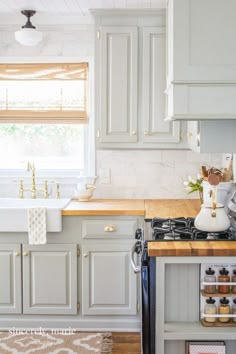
{"x":149,"y":208}
{"x":106,"y":207}
{"x":192,"y":248}
{"x":171,"y":208}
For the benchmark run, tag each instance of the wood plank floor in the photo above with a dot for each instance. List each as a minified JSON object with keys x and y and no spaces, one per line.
{"x":126,"y":343}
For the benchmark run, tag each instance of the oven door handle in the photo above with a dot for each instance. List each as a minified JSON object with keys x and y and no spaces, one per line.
{"x":136,"y":268}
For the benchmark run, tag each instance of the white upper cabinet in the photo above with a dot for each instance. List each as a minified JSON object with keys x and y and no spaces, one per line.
{"x":118,"y":85}
{"x":155,"y":128}
{"x":201,"y":75}
{"x":130,"y":81}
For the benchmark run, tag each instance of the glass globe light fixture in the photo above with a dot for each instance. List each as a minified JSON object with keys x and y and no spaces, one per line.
{"x":28,"y":35}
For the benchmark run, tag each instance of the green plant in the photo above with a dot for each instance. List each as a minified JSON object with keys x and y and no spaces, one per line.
{"x":195,"y":185}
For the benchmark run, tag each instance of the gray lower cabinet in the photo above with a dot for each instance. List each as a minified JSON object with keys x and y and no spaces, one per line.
{"x":10,"y":279}
{"x":50,"y":279}
{"x":40,"y":279}
{"x":109,"y":284}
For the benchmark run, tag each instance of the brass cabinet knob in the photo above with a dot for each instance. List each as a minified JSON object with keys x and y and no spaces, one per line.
{"x":85,"y":255}
{"x":146,"y":132}
{"x":25,"y":254}
{"x":109,"y":228}
{"x":133,"y":132}
{"x":17,"y":254}
{"x":189,"y":134}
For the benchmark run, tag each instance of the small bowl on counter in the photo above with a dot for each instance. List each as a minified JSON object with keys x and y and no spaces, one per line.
{"x":85,"y":189}
{"x":84,"y":194}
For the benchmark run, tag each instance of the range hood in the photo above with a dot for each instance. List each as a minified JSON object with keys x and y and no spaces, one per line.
{"x":201,"y":74}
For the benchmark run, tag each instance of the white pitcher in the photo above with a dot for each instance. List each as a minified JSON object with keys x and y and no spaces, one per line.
{"x":212,"y":220}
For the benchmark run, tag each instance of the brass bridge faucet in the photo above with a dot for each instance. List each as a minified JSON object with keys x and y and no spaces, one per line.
{"x":33,"y":189}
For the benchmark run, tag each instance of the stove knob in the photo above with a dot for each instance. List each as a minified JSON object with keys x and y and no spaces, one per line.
{"x":138,"y":234}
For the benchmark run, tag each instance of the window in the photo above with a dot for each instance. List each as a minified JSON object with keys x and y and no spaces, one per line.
{"x":44,"y":116}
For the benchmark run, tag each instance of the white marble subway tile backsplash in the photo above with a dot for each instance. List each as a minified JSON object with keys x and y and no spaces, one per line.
{"x":149,"y":174}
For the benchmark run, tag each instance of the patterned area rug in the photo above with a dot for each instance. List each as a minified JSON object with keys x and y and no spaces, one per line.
{"x":50,"y":343}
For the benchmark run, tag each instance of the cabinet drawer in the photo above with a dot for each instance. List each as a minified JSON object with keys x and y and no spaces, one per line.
{"x":107,"y":228}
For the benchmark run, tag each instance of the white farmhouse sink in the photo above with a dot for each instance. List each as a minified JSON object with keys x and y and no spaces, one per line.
{"x":13,"y":213}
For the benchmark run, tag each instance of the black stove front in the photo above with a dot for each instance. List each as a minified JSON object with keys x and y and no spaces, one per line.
{"x":183,"y":229}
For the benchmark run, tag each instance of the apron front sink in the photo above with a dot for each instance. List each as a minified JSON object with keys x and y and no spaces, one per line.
{"x":13,"y":213}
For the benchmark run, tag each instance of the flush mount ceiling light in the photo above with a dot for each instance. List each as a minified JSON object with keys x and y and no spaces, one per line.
{"x":28,"y":35}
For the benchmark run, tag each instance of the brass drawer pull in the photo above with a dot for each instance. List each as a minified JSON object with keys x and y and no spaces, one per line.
{"x":109,"y":228}
{"x":25,"y":254}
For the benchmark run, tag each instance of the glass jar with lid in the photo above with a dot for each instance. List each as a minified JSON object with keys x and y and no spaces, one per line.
{"x":210,"y":309}
{"x":233,"y":279}
{"x":224,"y":278}
{"x":210,"y":278}
{"x":224,"y":309}
{"x":234,"y":310}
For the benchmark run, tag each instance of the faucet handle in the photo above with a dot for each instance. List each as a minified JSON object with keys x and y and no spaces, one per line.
{"x":45,"y":189}
{"x":57,"y":190}
{"x":30,"y":166}
{"x":21,"y":189}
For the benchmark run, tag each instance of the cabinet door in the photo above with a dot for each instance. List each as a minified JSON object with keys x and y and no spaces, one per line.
{"x":10,"y":278}
{"x":203,"y":48}
{"x":117,"y":90}
{"x":109,"y":284}
{"x":50,"y":279}
{"x":155,"y":128}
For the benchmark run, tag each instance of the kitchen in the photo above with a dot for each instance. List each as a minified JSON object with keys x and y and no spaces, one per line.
{"x":154,"y":155}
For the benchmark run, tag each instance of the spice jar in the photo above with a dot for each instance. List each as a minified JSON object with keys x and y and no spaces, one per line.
{"x":234,"y":311}
{"x":224,"y":277}
{"x":210,"y":309}
{"x":210,"y":278}
{"x":224,"y":309}
{"x":233,"y":279}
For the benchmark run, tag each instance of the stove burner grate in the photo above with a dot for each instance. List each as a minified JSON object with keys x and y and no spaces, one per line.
{"x":181,"y":229}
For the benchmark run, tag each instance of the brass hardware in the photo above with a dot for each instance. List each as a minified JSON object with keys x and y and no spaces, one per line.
{"x":98,"y":34}
{"x":25,"y":254}
{"x":17,"y":254}
{"x":45,"y":189}
{"x":78,"y":251}
{"x":30,"y":167}
{"x":98,"y":133}
{"x":213,"y":213}
{"x":109,"y":228}
{"x":78,"y":306}
{"x":133,"y":132}
{"x":146,"y":132}
{"x":138,"y":307}
{"x":21,"y":189}
{"x":57,"y":190}
{"x":189,"y":134}
{"x":85,"y":255}
{"x":33,"y":189}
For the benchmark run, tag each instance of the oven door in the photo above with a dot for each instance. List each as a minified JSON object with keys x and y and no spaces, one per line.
{"x":148,"y":280}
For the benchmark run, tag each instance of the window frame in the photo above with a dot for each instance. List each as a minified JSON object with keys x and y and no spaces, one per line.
{"x":89,"y":168}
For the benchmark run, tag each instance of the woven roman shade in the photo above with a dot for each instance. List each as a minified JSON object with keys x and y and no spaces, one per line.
{"x":44,"y":93}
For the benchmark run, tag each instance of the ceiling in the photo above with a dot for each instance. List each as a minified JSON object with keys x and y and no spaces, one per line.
{"x":68,"y":10}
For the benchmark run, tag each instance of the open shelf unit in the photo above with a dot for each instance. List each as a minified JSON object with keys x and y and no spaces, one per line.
{"x":178,"y":305}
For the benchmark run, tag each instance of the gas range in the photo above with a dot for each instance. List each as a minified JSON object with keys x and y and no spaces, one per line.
{"x":181,"y":229}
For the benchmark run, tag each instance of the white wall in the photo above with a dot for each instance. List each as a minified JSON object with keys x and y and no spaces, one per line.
{"x":131,"y":174}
